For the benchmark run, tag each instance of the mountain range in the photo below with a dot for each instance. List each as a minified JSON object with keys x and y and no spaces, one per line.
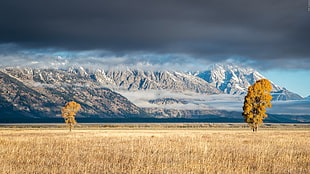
{"x":38,"y":93}
{"x":29,"y":93}
{"x":231,"y":79}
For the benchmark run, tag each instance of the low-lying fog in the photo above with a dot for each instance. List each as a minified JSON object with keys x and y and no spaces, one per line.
{"x":214,"y":102}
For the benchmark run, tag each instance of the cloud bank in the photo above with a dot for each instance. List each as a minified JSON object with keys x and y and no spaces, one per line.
{"x":214,"y":102}
{"x":271,"y":34}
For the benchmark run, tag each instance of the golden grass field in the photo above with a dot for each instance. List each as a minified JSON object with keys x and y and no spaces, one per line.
{"x":154,"y":149}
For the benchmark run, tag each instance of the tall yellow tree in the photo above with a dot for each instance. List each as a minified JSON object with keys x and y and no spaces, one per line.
{"x":256,"y":101}
{"x":68,"y":113}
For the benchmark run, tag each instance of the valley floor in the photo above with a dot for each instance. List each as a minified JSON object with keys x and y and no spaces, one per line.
{"x":154,"y":148}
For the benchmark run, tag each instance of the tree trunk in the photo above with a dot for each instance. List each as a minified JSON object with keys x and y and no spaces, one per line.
{"x":255,"y":127}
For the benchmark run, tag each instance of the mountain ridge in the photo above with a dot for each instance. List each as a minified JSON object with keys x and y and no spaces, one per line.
{"x":233,"y":79}
{"x":221,"y":78}
{"x":40,"y":93}
{"x":46,"y":99}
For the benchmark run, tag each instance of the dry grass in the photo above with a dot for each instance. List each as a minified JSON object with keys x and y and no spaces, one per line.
{"x":154,"y":151}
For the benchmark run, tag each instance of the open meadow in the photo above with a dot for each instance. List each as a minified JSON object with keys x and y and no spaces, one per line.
{"x":154,"y":148}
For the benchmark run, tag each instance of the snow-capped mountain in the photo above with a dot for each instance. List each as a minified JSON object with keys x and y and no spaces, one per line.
{"x":134,"y":80}
{"x":230,"y":79}
{"x":219,"y":79}
{"x":233,"y":79}
{"x":38,"y":91}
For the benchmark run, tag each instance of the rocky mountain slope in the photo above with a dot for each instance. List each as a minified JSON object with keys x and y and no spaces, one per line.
{"x":219,"y":79}
{"x":133,"y":80}
{"x":42,"y":93}
{"x":233,"y":79}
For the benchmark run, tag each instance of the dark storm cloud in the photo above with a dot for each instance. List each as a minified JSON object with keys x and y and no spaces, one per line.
{"x":214,"y":29}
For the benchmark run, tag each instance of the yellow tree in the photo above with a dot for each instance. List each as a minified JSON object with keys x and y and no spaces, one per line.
{"x":69,"y":111}
{"x":256,"y":101}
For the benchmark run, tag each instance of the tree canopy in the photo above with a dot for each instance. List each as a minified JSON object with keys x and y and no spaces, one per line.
{"x":69,"y":111}
{"x":256,"y":101}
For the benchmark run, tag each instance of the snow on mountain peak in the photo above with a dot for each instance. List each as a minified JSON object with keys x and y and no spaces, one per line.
{"x":235,"y":79}
{"x":230,"y":78}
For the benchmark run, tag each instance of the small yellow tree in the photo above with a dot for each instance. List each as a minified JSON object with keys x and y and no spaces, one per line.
{"x":69,"y":111}
{"x":255,"y":103}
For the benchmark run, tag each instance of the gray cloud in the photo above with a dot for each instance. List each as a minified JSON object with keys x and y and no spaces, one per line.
{"x":14,"y":56}
{"x":269,"y":32}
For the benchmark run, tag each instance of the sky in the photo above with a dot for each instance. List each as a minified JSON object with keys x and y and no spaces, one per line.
{"x":291,"y":80}
{"x":270,"y":35}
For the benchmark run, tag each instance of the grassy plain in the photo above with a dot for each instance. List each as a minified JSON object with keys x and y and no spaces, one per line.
{"x":154,"y":148}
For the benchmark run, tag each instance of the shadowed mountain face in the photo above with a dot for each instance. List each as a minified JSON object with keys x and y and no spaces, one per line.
{"x":33,"y":93}
{"x":40,"y":93}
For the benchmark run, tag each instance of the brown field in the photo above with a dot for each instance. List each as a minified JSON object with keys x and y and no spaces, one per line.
{"x":154,"y":149}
